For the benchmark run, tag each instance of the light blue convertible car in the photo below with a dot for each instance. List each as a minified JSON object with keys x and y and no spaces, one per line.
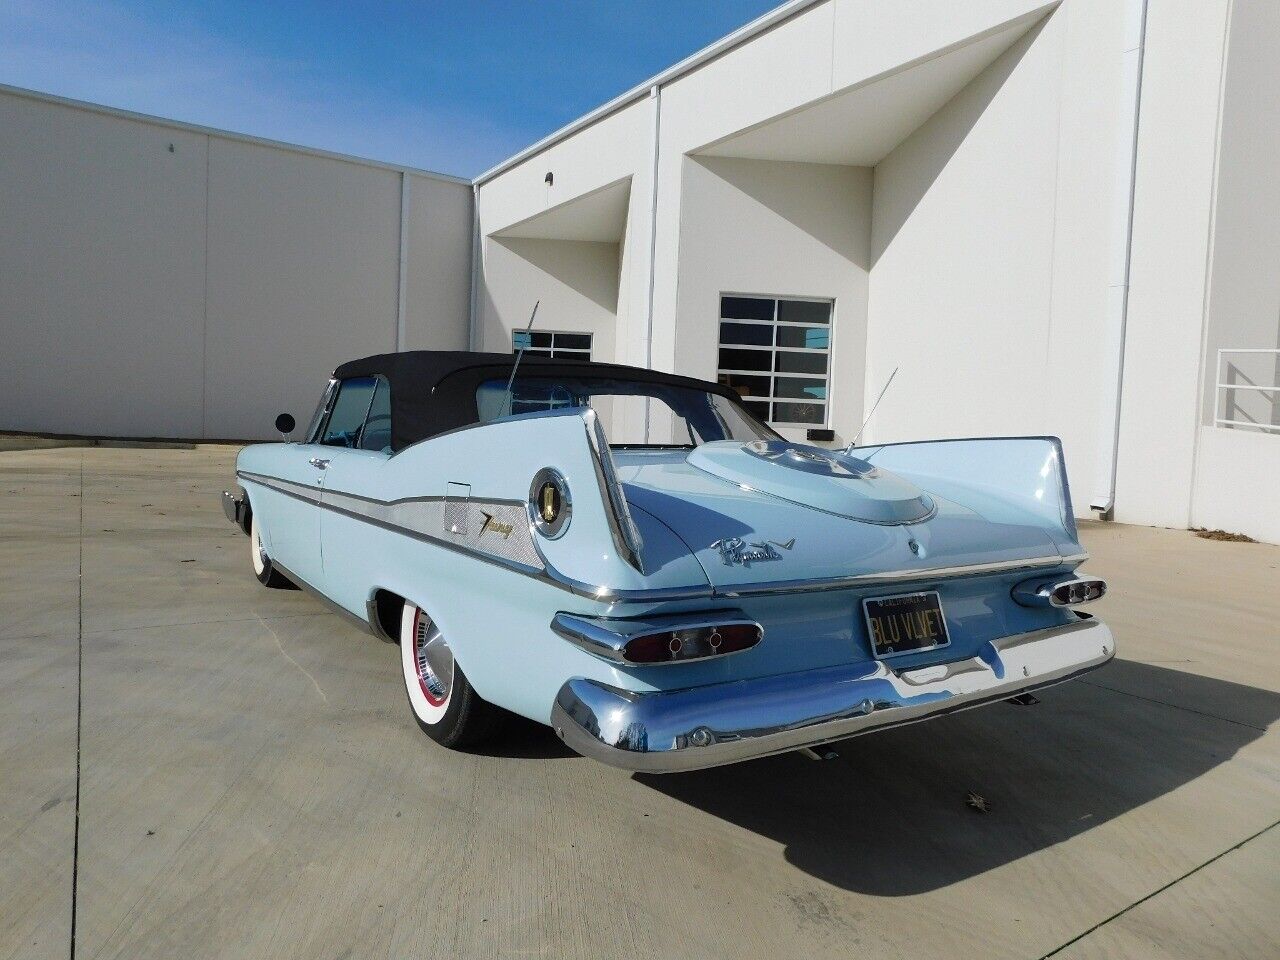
{"x":632,"y":558}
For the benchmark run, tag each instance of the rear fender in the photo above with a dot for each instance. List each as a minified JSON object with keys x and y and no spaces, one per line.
{"x":1004,"y":479}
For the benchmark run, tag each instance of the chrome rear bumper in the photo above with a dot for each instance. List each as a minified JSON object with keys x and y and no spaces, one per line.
{"x":670,"y":731}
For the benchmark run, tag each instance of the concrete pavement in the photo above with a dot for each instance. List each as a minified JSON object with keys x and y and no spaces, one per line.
{"x":250,"y":783}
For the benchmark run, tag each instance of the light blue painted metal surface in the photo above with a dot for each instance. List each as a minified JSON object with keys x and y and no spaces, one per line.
{"x":792,"y":540}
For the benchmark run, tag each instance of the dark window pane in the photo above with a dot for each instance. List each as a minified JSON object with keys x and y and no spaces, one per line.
{"x":745,"y":385}
{"x":541,"y":339}
{"x":804,"y":311}
{"x":348,"y":412}
{"x":745,"y":359}
{"x":814,"y":338}
{"x":800,"y":388}
{"x":752,"y":333}
{"x":798,"y":413}
{"x":746,"y":308}
{"x":573,"y":341}
{"x":757,"y":409}
{"x":800,"y":362}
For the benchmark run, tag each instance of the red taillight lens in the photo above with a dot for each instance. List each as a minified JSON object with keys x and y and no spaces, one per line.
{"x":693,"y":644}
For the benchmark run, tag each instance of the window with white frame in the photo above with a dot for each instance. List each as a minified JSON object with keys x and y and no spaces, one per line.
{"x":552,"y":343}
{"x":776,"y":353}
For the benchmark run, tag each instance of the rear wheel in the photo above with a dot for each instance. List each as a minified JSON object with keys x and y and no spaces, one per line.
{"x":267,"y":575}
{"x":443,"y":702}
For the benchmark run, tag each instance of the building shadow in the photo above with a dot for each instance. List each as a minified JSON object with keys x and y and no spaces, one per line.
{"x":890,"y":818}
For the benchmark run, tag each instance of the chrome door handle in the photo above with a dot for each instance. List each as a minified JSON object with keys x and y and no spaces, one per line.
{"x":318,"y":463}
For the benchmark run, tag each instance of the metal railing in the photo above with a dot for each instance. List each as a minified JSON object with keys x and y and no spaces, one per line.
{"x":1233,"y":383}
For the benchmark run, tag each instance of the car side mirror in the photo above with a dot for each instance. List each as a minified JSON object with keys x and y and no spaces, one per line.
{"x":284,"y":426}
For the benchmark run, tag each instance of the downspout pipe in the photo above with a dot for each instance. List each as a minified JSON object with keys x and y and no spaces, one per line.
{"x":473,"y":333}
{"x":655,"y":95}
{"x":1126,"y":167}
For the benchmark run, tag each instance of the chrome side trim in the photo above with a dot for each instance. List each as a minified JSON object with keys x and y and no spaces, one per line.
{"x":548,"y":574}
{"x":626,"y":538}
{"x":607,"y":638}
{"x":675,"y":730}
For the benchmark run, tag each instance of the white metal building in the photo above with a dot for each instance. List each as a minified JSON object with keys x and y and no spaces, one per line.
{"x":1049,"y":217}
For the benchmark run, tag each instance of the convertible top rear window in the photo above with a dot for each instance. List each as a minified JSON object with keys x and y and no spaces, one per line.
{"x":633,"y":412}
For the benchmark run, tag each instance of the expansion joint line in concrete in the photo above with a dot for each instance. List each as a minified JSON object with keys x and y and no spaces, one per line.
{"x":75,"y":843}
{"x":1173,"y":706}
{"x":1155,"y":893}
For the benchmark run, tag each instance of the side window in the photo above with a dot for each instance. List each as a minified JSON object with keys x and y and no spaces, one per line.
{"x":377,"y":426}
{"x":349,"y":410}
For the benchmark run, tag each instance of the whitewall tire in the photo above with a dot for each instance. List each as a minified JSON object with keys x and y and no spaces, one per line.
{"x":263,"y":569}
{"x":443,"y":702}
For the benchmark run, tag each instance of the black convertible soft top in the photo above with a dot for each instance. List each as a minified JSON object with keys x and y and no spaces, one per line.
{"x":434,"y":391}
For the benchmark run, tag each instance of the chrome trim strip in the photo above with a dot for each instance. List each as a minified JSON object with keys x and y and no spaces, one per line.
{"x":626,"y":538}
{"x":697,"y":592}
{"x":549,"y":576}
{"x":677,"y":730}
{"x":607,"y":638}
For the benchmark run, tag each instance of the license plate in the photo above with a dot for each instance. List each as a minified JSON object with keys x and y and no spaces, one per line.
{"x":907,"y":623}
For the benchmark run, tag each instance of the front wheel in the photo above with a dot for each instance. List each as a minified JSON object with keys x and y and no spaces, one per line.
{"x":267,"y":574}
{"x":443,"y":702}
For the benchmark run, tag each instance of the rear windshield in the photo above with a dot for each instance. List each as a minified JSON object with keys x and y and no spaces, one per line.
{"x":633,"y":413}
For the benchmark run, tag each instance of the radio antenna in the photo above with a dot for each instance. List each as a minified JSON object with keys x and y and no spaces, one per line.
{"x":520,"y":355}
{"x":854,"y":442}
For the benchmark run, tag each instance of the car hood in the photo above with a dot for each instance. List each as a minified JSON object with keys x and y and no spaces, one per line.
{"x":757,"y":514}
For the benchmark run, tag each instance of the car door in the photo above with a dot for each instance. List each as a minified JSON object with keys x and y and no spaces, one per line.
{"x":286,"y":482}
{"x":294,"y":524}
{"x":354,"y":476}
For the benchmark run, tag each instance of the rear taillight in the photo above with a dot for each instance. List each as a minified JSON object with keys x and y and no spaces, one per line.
{"x":1059,"y":593}
{"x":693,"y":644}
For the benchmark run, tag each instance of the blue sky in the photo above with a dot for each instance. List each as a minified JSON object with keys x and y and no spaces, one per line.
{"x":449,"y":86}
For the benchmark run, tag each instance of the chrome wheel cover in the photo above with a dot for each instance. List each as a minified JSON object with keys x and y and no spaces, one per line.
{"x":433,"y":659}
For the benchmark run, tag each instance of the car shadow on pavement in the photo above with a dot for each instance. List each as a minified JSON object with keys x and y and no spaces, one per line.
{"x":523,"y":739}
{"x":895,"y":814}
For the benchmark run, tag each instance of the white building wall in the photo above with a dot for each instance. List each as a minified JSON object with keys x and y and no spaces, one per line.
{"x":278,"y":322}
{"x":963,"y":254}
{"x":1173,"y":216}
{"x":575,"y":281}
{"x":618,"y":148}
{"x":168,"y":281}
{"x":780,"y":229}
{"x":1243,"y":303}
{"x":101,"y":273}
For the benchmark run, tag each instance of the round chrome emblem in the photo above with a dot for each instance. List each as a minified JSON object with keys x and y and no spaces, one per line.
{"x":550,"y":507}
